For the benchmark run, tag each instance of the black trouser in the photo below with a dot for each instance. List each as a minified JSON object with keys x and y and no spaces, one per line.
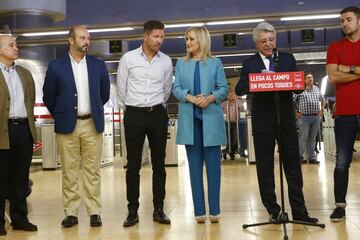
{"x":264,"y":153}
{"x":233,"y":138}
{"x":138,"y":124}
{"x":14,"y":172}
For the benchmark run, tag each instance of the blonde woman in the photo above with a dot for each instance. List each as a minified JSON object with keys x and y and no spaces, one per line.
{"x":200,"y":85}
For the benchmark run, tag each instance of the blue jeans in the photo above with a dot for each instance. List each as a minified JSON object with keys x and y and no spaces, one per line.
{"x":196,"y":155}
{"x":308,"y":128}
{"x":345,"y":135}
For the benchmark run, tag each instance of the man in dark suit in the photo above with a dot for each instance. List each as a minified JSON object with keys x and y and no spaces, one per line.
{"x":75,"y":89}
{"x":17,"y":135}
{"x":265,"y":132}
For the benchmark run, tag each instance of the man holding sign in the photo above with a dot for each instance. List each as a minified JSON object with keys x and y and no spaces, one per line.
{"x":264,"y":120}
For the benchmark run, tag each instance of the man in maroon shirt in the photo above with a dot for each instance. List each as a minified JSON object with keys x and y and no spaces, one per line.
{"x":343,"y":67}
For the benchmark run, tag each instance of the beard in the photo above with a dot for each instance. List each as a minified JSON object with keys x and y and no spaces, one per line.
{"x":83,"y":48}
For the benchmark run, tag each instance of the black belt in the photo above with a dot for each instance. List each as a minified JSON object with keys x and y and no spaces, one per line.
{"x":83,"y":117}
{"x":17,"y":121}
{"x":144,"y":109}
{"x":311,"y":114}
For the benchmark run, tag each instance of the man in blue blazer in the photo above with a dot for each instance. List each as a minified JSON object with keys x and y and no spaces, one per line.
{"x":75,"y":89}
{"x":264,"y":122}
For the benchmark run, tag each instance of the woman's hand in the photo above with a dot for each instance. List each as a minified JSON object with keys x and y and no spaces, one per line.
{"x":194,"y":99}
{"x":204,"y":103}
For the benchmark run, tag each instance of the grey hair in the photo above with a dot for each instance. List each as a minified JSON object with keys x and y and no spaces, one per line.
{"x":263,"y":27}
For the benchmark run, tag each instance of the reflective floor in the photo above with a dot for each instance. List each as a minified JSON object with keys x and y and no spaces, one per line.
{"x":240,"y":203}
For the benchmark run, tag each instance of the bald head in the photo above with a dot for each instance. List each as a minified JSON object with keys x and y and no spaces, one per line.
{"x":79,"y":39}
{"x":8,"y":50}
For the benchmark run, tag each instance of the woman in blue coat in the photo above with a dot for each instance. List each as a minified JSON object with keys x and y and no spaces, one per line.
{"x":200,"y":85}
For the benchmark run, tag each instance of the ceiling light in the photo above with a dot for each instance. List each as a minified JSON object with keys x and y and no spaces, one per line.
{"x":98,"y":30}
{"x":310,"y":17}
{"x":234,"y":55}
{"x":315,"y":63}
{"x":37,"y":34}
{"x":111,"y":61}
{"x":240,"y":21}
{"x":231,"y":67}
{"x":180,"y":25}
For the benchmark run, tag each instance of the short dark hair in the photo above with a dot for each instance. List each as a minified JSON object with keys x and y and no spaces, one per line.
{"x":153,"y":24}
{"x":308,"y":73}
{"x":352,"y":9}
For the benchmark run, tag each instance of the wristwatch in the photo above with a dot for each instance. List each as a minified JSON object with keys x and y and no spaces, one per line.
{"x":352,"y":69}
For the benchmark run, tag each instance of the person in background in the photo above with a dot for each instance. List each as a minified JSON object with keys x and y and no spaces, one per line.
{"x":264,"y":123}
{"x":343,"y":68}
{"x":200,"y":85}
{"x":309,"y":113}
{"x":144,"y":85}
{"x":232,"y":108}
{"x":17,"y":127}
{"x":76,"y":87}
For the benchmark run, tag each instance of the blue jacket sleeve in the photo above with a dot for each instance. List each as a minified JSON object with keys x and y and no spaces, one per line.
{"x":221,"y":88}
{"x":49,"y":88}
{"x":105,"y":84}
{"x":242,"y":87}
{"x":178,"y":89}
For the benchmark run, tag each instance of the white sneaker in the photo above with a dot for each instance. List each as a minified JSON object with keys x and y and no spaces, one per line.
{"x":214,"y":218}
{"x":200,"y":219}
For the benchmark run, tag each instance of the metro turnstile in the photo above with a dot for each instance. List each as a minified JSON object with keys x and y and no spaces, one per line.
{"x":50,"y":157}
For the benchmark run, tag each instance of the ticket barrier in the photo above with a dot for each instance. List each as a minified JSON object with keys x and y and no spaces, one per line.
{"x":45,"y":151}
{"x":329,"y":136}
{"x":172,"y":159}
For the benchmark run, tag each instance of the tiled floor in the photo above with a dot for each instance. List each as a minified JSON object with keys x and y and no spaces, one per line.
{"x":240,"y":203}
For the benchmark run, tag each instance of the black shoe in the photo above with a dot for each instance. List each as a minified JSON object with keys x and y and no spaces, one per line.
{"x":304,"y":218}
{"x":275,"y":218}
{"x":95,"y":220}
{"x":314,"y":161}
{"x":131,"y":219}
{"x":2,"y":230}
{"x":338,"y":214}
{"x":69,"y":221}
{"x":224,"y":156}
{"x":25,"y":226}
{"x":232,"y":156}
{"x":160,"y":217}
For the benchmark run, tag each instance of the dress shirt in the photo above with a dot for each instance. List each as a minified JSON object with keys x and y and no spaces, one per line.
{"x":307,"y":102}
{"x":82,"y":85}
{"x":16,"y":91}
{"x":234,"y":108}
{"x":144,"y":83}
{"x":266,"y":61}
